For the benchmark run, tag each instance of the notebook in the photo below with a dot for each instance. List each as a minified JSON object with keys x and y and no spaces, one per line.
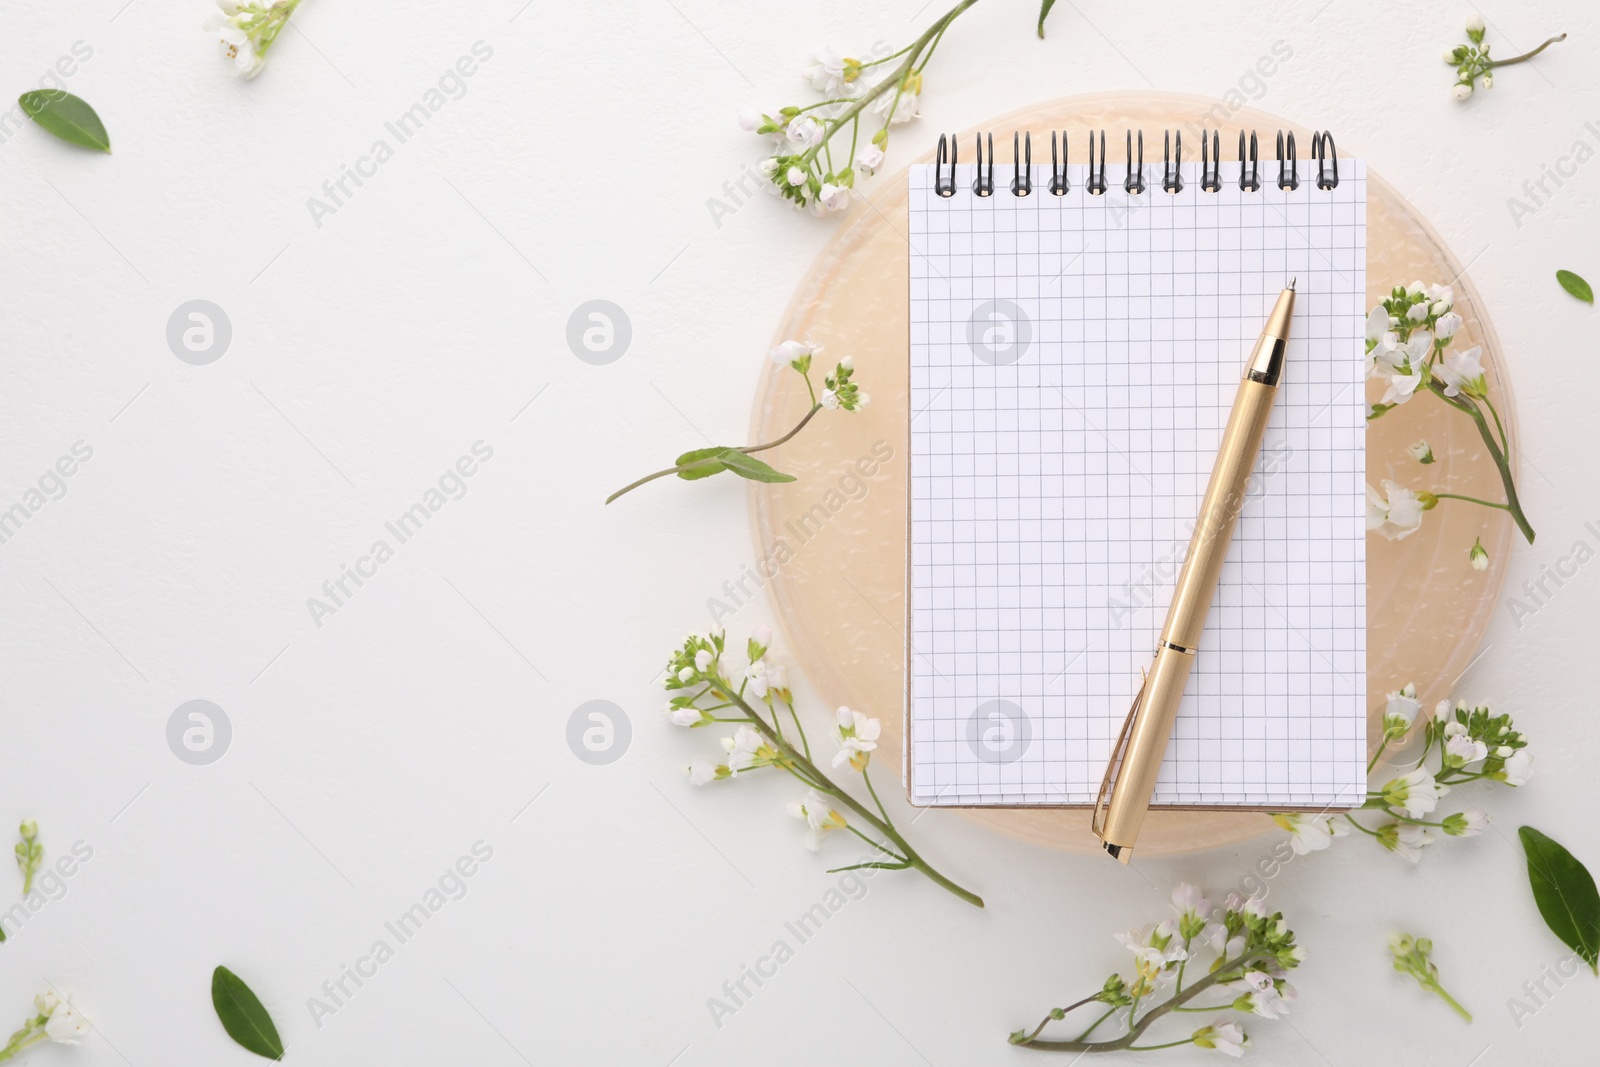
{"x":1074,"y":358}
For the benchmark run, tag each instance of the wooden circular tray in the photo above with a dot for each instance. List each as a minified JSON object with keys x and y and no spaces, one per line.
{"x":837,"y":575}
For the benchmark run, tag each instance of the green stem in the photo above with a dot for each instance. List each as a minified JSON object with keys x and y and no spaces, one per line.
{"x":1094,"y":1025}
{"x":912,"y":52}
{"x":748,"y":449}
{"x":1358,"y":826}
{"x":811,"y":771}
{"x":1448,"y":999}
{"x":1227,"y":971}
{"x":1152,"y":1048}
{"x":1525,"y":57}
{"x":1064,"y":1011}
{"x":1472,"y":500}
{"x":1465,"y":404}
{"x":1373,"y":762}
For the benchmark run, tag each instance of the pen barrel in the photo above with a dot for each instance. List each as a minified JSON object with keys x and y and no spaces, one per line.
{"x":1147,"y":746}
{"x":1225,"y":498}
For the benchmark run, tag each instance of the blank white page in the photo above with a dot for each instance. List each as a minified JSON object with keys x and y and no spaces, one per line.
{"x":1073,"y":363}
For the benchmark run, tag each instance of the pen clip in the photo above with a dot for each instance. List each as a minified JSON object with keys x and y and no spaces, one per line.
{"x":1097,"y":823}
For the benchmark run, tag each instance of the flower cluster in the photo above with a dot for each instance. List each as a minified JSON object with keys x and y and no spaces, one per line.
{"x":1411,"y":957}
{"x":1464,"y":744}
{"x":807,"y":166}
{"x":247,"y":31}
{"x":838,"y":391}
{"x":1472,"y":63}
{"x":54,"y":1019}
{"x":708,"y":688}
{"x":1409,"y":338}
{"x":1250,"y":956}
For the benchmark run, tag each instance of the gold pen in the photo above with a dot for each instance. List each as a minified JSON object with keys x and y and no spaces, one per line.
{"x":1142,"y":745}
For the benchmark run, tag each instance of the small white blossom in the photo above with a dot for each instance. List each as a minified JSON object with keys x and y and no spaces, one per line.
{"x":1519,"y":767}
{"x":1488,"y":79}
{"x":756,"y":677}
{"x":1474,"y":23}
{"x":1401,"y":709}
{"x":826,"y":73}
{"x":1448,"y":325}
{"x":1397,"y":515}
{"x":741,"y":749}
{"x":1226,"y":1037}
{"x":1411,"y":839}
{"x":829,"y":399}
{"x":1478,"y":556}
{"x":1155,"y":944}
{"x":857,"y":735}
{"x":868,"y":159}
{"x":1421,"y":451}
{"x":1309,"y":833}
{"x":702,"y":660}
{"x":684,"y":716}
{"x":1462,"y":372}
{"x":63,"y":1024}
{"x":831,"y":199}
{"x":1461,"y":90}
{"x":819,"y":817}
{"x":789,"y":351}
{"x":1465,"y":750}
{"x":1413,"y":794}
{"x":702,"y":771}
{"x":804,"y":132}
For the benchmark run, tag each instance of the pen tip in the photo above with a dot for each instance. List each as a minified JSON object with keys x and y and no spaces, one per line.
{"x":1292,"y":281}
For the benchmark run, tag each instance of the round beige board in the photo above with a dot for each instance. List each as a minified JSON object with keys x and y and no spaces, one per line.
{"x":831,"y":547}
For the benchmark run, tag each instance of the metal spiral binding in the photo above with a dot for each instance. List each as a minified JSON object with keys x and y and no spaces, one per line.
{"x":1254,"y":183}
{"x":1097,"y":183}
{"x":1021,"y":168}
{"x":1291,"y":179}
{"x":1058,"y":179}
{"x":1133,"y":182}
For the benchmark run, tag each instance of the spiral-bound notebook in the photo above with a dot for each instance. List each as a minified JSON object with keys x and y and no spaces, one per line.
{"x":1077,"y":336}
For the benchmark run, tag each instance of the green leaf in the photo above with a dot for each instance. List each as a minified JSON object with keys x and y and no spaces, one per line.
{"x":242,"y":1015}
{"x":1565,"y":893}
{"x":68,"y":117}
{"x":1575,"y":285}
{"x":1044,"y":10}
{"x":705,"y":463}
{"x":748,"y":466}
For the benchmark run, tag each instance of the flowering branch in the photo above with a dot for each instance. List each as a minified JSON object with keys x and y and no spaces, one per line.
{"x":802,"y":169}
{"x":839,"y":391}
{"x":696,"y":673}
{"x":1472,"y":745}
{"x":1407,"y":336}
{"x":248,"y":29}
{"x":1253,"y":955}
{"x":1472,"y":60}
{"x":1411,"y":957}
{"x":29,"y":853}
{"x":53,"y":1020}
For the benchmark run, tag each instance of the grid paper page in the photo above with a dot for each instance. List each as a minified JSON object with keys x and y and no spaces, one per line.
{"x":1073,"y":362}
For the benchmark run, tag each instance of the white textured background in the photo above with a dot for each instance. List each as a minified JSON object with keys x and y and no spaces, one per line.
{"x":425,"y":315}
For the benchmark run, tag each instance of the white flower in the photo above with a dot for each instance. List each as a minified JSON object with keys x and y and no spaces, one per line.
{"x":857,"y":735}
{"x":1462,"y":372}
{"x":702,"y":771}
{"x":1397,"y":517}
{"x":684,"y":716}
{"x":702,"y":660}
{"x":1465,"y":823}
{"x":777,"y":676}
{"x":868,"y":159}
{"x":1474,"y":23}
{"x":1155,"y":944}
{"x":1307,"y":833}
{"x":1265,"y":1000}
{"x":1478,"y":556}
{"x":1450,"y":56}
{"x":832,"y":198}
{"x":64,"y":1024}
{"x":749,"y":119}
{"x":826,"y":73}
{"x":828,"y":399}
{"x":1461,"y":90}
{"x":1413,"y":794}
{"x":768,"y":167}
{"x":741,"y":749}
{"x":1377,"y":324}
{"x":1488,"y":79}
{"x":1411,"y":839}
{"x":905,"y":103}
{"x":1189,"y":902}
{"x":795,"y":176}
{"x":1401,"y":710}
{"x":1421,"y":451}
{"x":756,"y":676}
{"x":1519,"y":767}
{"x":762,"y":635}
{"x":803,"y":132}
{"x":1418,"y":312}
{"x":790,"y":351}
{"x":1224,"y":1036}
{"x":1403,"y":383}
{"x":1465,"y":749}
{"x":686,"y":674}
{"x":819,"y":817}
